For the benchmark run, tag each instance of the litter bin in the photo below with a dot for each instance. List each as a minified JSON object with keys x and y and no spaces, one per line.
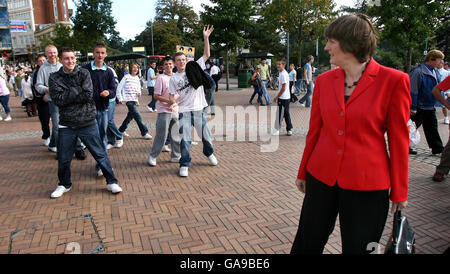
{"x":243,"y":77}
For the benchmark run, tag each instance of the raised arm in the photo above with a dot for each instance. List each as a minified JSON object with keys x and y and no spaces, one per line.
{"x":206,"y":33}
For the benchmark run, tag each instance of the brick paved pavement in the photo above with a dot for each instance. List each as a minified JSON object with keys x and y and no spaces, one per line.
{"x":247,"y":204}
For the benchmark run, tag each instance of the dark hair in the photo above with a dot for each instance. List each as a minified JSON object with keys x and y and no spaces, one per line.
{"x":66,"y":49}
{"x":309,"y":58}
{"x":99,"y":45}
{"x":167,"y":58}
{"x":356,"y":35}
{"x":41,"y":55}
{"x":179,"y":54}
{"x":282,"y":60}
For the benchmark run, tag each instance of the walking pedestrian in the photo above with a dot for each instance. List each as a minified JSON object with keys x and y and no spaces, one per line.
{"x":128,"y":92}
{"x":257,"y":87}
{"x":151,"y":80}
{"x":42,"y":106}
{"x":292,"y":80}
{"x":423,"y":79}
{"x":27,"y":94}
{"x":346,"y":169}
{"x":71,"y":90}
{"x":113,"y":136}
{"x":4,"y":97}
{"x":308,"y":74}
{"x":215,"y":74}
{"x":283,"y":99}
{"x":265,"y":77}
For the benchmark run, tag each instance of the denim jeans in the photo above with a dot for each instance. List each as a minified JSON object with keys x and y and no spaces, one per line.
{"x":66,"y":147}
{"x":112,"y":132}
{"x":4,"y":101}
{"x":264,"y":91}
{"x":201,"y":126}
{"x":133,"y":113}
{"x":307,"y":97}
{"x":102,"y":126}
{"x":283,"y":112}
{"x":298,"y":85}
{"x":54,"y":115}
{"x":152,"y":104}
{"x":165,"y":122}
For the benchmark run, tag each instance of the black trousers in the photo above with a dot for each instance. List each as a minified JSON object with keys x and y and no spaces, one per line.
{"x":283,"y":112}
{"x":428,"y":119}
{"x":362,"y":217}
{"x":44,"y":117}
{"x":216,"y":79}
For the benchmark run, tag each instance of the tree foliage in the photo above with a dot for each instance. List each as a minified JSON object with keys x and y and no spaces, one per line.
{"x":63,"y":37}
{"x":93,"y":21}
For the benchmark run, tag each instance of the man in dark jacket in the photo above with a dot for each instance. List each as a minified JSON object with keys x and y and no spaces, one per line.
{"x":71,"y":90}
{"x":423,"y":79}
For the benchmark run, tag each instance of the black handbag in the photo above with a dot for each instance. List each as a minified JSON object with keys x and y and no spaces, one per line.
{"x":403,"y":239}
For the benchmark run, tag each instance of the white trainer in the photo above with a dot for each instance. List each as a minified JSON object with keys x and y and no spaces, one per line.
{"x":147,"y":136}
{"x":109,"y":146}
{"x":99,"y":173}
{"x":213,"y":160}
{"x":184,"y":171}
{"x":7,"y":119}
{"x":52,"y":149}
{"x":194,"y":143}
{"x":47,"y":142}
{"x":60,"y":190}
{"x":1,"y":119}
{"x":276,"y":133}
{"x":289,"y":133}
{"x":118,"y":144}
{"x":166,"y":149}
{"x":446,"y":120}
{"x":114,"y":188}
{"x":175,"y":160}
{"x":125,"y":134}
{"x":152,"y":161}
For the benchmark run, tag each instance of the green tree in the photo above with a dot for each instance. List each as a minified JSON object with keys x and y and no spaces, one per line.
{"x":304,"y":19}
{"x":93,"y":21}
{"x":166,"y":36}
{"x":230,"y":19}
{"x":407,"y":24}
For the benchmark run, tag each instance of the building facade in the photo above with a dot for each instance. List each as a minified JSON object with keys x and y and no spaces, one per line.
{"x":5,"y":34}
{"x":31,"y":20}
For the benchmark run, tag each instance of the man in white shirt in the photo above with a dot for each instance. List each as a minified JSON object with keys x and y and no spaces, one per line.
{"x":283,"y":99}
{"x":191,"y":104}
{"x":214,"y":73}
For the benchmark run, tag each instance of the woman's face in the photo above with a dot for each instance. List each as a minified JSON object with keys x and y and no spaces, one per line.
{"x":337,"y":56}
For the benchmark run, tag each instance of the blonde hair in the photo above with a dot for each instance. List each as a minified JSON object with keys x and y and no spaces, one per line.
{"x":433,"y":55}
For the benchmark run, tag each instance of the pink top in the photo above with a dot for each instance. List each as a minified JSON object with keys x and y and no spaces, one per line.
{"x":162,"y":89}
{"x":3,"y":88}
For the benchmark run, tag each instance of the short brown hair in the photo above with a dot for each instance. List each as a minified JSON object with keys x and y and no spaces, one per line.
{"x":433,"y":55}
{"x":99,"y":45}
{"x":356,"y":35}
{"x":282,"y":60}
{"x":66,"y":49}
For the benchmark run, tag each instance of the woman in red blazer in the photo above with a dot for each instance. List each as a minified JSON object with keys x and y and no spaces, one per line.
{"x":347,"y":168}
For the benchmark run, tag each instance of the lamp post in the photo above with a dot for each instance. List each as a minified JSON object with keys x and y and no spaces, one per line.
{"x":151,"y":29}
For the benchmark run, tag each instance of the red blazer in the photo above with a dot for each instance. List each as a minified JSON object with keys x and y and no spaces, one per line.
{"x":346,"y":141}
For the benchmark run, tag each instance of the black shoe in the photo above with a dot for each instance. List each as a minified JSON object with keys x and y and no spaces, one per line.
{"x":213,"y":114}
{"x":56,"y":157}
{"x":412,"y":152}
{"x":250,"y":102}
{"x":437,"y":151}
{"x":80,"y":155}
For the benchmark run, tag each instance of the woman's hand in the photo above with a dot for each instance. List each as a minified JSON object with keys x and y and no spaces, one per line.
{"x":301,"y":185}
{"x":398,"y":206}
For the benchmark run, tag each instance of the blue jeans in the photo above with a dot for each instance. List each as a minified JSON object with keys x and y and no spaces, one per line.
{"x":307,"y":97}
{"x":264,"y":91}
{"x":66,"y":147}
{"x":102,"y":126}
{"x":54,"y":115}
{"x":133,"y":113}
{"x":298,"y":85}
{"x":152,"y":104}
{"x":4,"y":101}
{"x":112,"y":132}
{"x":201,"y":126}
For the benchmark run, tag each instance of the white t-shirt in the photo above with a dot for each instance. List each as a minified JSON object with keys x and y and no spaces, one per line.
{"x":214,"y":70}
{"x":283,"y":78}
{"x":190,"y":99}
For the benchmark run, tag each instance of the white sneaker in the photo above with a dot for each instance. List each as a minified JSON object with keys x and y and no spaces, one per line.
{"x":99,"y":173}
{"x":276,"y":133}
{"x":125,"y":134}
{"x":109,"y":146}
{"x":175,"y":160}
{"x":60,"y":190}
{"x":1,"y":119}
{"x":184,"y":171}
{"x":118,"y":144}
{"x":446,"y":120}
{"x":47,"y":142}
{"x":7,"y":119}
{"x":52,"y":149}
{"x":150,"y":109}
{"x":147,"y":136}
{"x":152,"y":161}
{"x":166,"y":149}
{"x":289,"y":133}
{"x":114,"y":188}
{"x":194,"y":143}
{"x":213,"y":160}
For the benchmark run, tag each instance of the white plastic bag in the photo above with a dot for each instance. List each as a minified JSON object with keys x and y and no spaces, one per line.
{"x":414,"y":135}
